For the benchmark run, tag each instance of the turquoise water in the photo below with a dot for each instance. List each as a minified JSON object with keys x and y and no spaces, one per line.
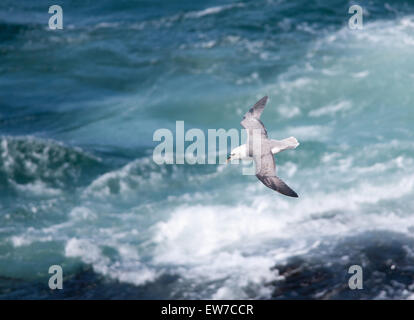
{"x":79,"y":188}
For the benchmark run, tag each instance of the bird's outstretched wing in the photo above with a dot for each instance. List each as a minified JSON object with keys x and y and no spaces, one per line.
{"x":256,"y":131}
{"x":257,"y":109}
{"x":266,"y":173}
{"x":277,"y":184}
{"x":251,"y":119}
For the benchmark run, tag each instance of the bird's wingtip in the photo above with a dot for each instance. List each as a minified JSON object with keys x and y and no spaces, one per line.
{"x":295,"y":142}
{"x":292,"y":194}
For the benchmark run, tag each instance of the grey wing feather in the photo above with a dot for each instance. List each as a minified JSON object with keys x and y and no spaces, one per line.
{"x":266,"y":173}
{"x":257,"y":109}
{"x":251,"y":119}
{"x":278,"y":185}
{"x":251,"y":122}
{"x":265,"y":163}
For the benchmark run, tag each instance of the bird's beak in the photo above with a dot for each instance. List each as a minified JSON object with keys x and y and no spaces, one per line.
{"x":228,"y":159}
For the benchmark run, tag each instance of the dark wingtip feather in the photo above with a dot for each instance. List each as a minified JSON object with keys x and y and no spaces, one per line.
{"x":277,"y":184}
{"x":295,"y":195}
{"x":289,"y":192}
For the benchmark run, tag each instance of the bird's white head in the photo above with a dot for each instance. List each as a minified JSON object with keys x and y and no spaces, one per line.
{"x":239,"y":153}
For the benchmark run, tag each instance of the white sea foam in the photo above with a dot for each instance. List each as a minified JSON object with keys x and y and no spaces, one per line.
{"x":28,"y":238}
{"x":234,"y":247}
{"x":362,"y":74}
{"x":126,"y":180}
{"x":19,"y":241}
{"x":331,"y":109}
{"x":129,"y":269}
{"x":221,"y":242}
{"x":306,"y":133}
{"x":207,"y":240}
{"x":295,"y":84}
{"x":37,"y":189}
{"x":43,"y":163}
{"x":289,"y":111}
{"x":212,"y":10}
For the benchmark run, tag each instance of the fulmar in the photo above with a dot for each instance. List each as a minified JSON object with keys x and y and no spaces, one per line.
{"x":261,"y":149}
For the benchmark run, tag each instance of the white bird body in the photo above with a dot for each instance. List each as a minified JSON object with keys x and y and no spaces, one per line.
{"x":240,"y":152}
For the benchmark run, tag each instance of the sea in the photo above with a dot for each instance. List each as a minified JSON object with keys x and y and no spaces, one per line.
{"x":79,"y":187}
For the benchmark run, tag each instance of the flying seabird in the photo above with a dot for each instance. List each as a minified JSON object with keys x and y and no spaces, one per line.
{"x":261,"y":149}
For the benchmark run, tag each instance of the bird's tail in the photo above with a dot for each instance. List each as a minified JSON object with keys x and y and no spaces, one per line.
{"x":280,"y":145}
